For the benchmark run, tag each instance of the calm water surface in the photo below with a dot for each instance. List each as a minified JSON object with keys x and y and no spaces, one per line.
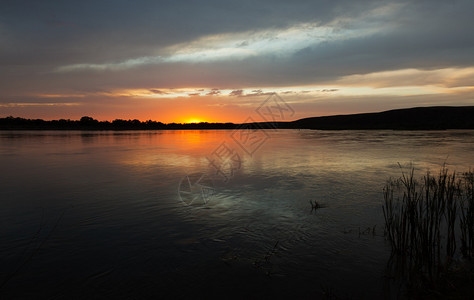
{"x":104,"y":214}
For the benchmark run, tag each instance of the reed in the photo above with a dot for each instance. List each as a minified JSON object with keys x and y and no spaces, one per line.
{"x":423,"y":218}
{"x":467,"y":216}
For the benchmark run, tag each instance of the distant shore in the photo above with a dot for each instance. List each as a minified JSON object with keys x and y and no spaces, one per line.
{"x":418,"y":118}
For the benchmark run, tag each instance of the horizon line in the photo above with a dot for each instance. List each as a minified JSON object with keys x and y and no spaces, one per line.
{"x":207,"y":122}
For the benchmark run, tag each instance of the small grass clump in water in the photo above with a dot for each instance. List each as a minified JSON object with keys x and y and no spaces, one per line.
{"x":315,"y":205}
{"x":425,"y":219}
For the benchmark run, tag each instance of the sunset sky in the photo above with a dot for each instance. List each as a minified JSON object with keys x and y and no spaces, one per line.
{"x":217,"y":60}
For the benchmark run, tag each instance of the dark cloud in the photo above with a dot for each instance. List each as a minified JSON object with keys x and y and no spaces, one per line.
{"x":214,"y":92}
{"x":102,"y":31}
{"x":158,"y":92}
{"x":258,"y":93}
{"x":236,"y":93}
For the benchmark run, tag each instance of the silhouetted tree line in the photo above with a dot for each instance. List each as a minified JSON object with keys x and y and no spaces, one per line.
{"x":88,"y":123}
{"x":418,"y":118}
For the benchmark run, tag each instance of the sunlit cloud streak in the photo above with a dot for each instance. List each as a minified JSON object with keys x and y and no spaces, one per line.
{"x":241,"y":45}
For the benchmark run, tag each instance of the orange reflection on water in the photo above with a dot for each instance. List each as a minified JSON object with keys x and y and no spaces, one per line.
{"x":194,"y":137}
{"x":188,"y":149}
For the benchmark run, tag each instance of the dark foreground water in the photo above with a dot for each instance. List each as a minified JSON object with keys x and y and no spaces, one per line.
{"x":94,"y":215}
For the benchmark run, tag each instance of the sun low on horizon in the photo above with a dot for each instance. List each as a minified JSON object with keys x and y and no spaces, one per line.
{"x":194,"y":120}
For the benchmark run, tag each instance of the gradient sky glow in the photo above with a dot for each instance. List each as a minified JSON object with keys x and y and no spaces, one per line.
{"x":216,"y":61}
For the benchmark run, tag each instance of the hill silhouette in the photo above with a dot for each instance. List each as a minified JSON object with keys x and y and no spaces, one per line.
{"x":430,"y":118}
{"x":418,"y":118}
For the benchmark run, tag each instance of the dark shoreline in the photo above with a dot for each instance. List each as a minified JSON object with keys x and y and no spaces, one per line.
{"x":419,"y":118}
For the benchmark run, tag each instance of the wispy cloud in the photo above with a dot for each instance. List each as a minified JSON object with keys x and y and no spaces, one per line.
{"x":29,"y":104}
{"x":446,"y":77}
{"x":242,"y":45}
{"x":61,"y":95}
